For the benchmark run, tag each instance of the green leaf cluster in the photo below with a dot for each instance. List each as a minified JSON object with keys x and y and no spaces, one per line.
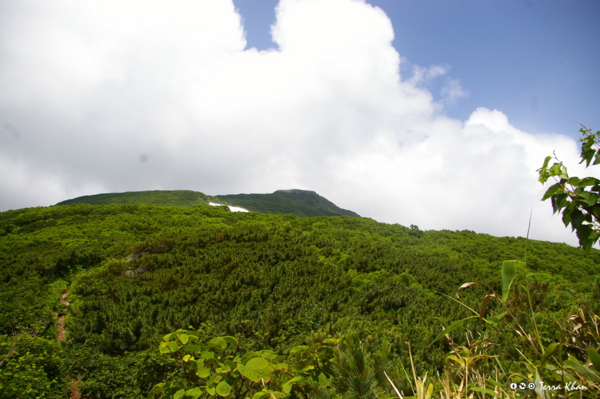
{"x":577,"y":199}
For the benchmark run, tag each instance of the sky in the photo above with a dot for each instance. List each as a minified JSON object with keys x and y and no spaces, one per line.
{"x":432,"y":113}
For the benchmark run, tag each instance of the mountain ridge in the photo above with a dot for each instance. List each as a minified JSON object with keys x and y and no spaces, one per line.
{"x":302,"y":203}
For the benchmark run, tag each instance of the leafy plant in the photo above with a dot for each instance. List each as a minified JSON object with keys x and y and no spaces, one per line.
{"x":31,"y":367}
{"x":216,"y":367}
{"x":553,"y":366}
{"x":580,"y":206}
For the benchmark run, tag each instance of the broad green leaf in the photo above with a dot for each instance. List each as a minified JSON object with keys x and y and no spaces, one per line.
{"x":588,"y":181}
{"x":592,"y":199}
{"x":168,"y":336}
{"x":183,"y":338}
{"x":509,"y":270}
{"x":210,"y":389}
{"x":260,"y":395}
{"x":207,"y":355}
{"x":305,"y":369}
{"x":577,"y":218}
{"x":230,"y":340}
{"x":223,"y":368}
{"x":203,"y":372}
{"x":551,"y":191}
{"x":217,"y":343}
{"x":594,"y":357}
{"x":230,"y":364}
{"x":298,"y":349}
{"x":546,"y":161}
{"x":559,"y":202}
{"x":555,"y":169}
{"x":255,"y":369}
{"x":268,"y":354}
{"x":191,"y":347}
{"x":214,"y":380}
{"x":567,"y":214}
{"x":583,"y":233}
{"x":163,"y":348}
{"x":179,"y":394}
{"x":168,"y":347}
{"x":287,"y":387}
{"x":563,"y":173}
{"x":281,"y":366}
{"x":223,"y":389}
{"x":194,"y":392}
{"x":323,"y":380}
{"x":544,"y":174}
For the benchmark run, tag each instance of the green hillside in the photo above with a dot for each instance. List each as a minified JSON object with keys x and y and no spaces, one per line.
{"x":183,"y":198}
{"x":297,"y":202}
{"x":331,"y":301}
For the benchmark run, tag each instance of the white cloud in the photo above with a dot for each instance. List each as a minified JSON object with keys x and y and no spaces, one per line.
{"x":452,"y":91}
{"x":106,"y":99}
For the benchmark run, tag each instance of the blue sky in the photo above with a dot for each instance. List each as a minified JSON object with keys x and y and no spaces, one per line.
{"x":537,"y":61}
{"x":434,"y":113}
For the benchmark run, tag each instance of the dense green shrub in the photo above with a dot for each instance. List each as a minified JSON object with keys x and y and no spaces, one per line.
{"x":33,"y":370}
{"x":138,"y":272}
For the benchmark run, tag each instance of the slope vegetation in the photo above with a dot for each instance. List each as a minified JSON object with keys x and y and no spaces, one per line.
{"x":181,"y":198}
{"x":297,"y":202}
{"x":137,"y":272}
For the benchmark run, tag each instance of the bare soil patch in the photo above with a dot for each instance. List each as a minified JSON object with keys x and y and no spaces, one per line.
{"x":60,"y":337}
{"x":61,"y":320}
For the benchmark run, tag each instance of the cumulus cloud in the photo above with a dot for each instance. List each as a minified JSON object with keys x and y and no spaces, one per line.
{"x":123,"y":96}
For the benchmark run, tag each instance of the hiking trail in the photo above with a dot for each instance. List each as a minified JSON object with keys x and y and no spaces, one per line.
{"x":60,"y":337}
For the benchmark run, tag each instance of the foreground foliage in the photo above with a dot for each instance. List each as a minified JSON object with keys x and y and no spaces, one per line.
{"x":578,"y":199}
{"x":539,"y":365}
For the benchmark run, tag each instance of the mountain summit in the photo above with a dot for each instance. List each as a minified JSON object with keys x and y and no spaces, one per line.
{"x":301,"y":203}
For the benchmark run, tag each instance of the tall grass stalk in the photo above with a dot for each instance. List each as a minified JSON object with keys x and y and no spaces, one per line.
{"x":471,"y":372}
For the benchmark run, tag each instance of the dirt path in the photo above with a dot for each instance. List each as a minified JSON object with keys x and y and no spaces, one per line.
{"x":60,"y":337}
{"x":61,"y":320}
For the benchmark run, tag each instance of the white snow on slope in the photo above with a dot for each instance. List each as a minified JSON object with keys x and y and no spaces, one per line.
{"x":238,"y":209}
{"x":231,"y":208}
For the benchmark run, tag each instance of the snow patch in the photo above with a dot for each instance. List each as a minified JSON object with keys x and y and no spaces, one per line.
{"x":238,"y":209}
{"x":231,"y":208}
